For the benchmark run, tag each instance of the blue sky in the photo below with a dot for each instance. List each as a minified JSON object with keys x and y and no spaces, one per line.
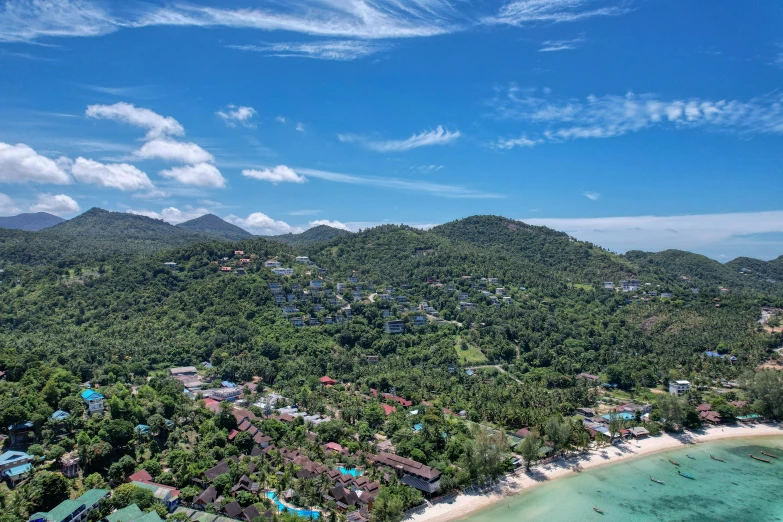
{"x":635,"y":124}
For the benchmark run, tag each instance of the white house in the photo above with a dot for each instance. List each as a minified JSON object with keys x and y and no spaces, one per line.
{"x":272,"y":264}
{"x":283,"y":271}
{"x":608,"y":285}
{"x":395,"y":327}
{"x":302,"y":259}
{"x":679,"y":387}
{"x":94,"y":401}
{"x":631,"y":285}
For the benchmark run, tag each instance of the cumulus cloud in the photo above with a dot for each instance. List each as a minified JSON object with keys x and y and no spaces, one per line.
{"x":199,"y":175}
{"x":156,"y":125}
{"x":734,"y":234}
{"x":21,"y":164}
{"x":115,"y":175}
{"x":58,"y":204}
{"x":278,"y":174}
{"x":242,"y":115}
{"x":7,"y":205}
{"x":340,"y":50}
{"x":260,"y":223}
{"x":610,"y":116}
{"x":172,"y":215}
{"x":439,"y":136}
{"x":333,"y":224}
{"x":171,"y":150}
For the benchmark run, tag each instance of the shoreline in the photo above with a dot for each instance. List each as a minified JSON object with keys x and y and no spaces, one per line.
{"x":464,"y":504}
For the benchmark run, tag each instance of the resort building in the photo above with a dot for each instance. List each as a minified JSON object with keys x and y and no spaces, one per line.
{"x":302,"y":259}
{"x":394,"y":327}
{"x":283,"y":271}
{"x":412,"y":473}
{"x":679,"y":387}
{"x":94,"y":401}
{"x":72,"y":510}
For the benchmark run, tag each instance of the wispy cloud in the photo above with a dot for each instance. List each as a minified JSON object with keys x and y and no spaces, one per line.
{"x":29,"y":20}
{"x":242,"y":115}
{"x":421,"y":187}
{"x":594,"y":196}
{"x":438,"y":136}
{"x":523,"y":12}
{"x":340,"y":50}
{"x":131,"y":91}
{"x":611,"y":115}
{"x":711,"y":234}
{"x":549,"y":46}
{"x":300,"y":127}
{"x":304,"y":212}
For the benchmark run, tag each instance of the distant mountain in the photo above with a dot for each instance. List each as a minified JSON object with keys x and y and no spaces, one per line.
{"x":311,"y":236}
{"x":212,"y":225}
{"x":32,"y":221}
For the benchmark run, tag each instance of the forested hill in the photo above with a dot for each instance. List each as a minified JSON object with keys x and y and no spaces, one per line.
{"x":549,"y":248}
{"x":318,"y":234}
{"x":756,"y":268}
{"x":211,"y":225}
{"x":33,"y":221}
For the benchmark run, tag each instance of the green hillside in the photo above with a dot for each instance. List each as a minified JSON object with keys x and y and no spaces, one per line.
{"x":211,"y":225}
{"x":319,"y":234}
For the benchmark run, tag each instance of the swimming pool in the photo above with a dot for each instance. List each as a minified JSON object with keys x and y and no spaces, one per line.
{"x":301,"y":512}
{"x":353,"y":471}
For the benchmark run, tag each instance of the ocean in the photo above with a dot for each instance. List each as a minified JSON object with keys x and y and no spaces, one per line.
{"x":741,"y":489}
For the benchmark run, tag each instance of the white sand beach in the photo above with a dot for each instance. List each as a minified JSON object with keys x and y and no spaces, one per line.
{"x":467,"y":503}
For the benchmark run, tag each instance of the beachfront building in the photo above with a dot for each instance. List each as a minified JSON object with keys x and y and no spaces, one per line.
{"x":412,"y":473}
{"x":679,"y":387}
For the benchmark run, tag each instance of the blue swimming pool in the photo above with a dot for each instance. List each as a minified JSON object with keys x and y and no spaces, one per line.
{"x":353,"y":471}
{"x":622,"y":416}
{"x":301,"y":512}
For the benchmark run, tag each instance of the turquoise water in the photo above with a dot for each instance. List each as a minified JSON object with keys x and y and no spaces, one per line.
{"x":741,"y":489}
{"x":306,"y":513}
{"x":353,"y":471}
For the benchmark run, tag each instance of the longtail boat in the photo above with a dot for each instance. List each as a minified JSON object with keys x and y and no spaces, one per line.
{"x":674,"y":462}
{"x":759,"y":458}
{"x":598,"y":510}
{"x":656,"y":480}
{"x":769,"y":454}
{"x":686,"y":475}
{"x":713,"y":457}
{"x":692,"y":458}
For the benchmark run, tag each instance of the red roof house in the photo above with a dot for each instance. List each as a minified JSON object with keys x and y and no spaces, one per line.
{"x":388,"y":410}
{"x":327,"y":381}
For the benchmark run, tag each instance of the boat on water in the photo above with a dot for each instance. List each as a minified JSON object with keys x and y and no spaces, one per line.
{"x":769,"y":454}
{"x":713,"y":457}
{"x":693,"y":458}
{"x":686,"y":475}
{"x":674,"y":462}
{"x":656,"y":480}
{"x":601,"y":511}
{"x":760,"y":459}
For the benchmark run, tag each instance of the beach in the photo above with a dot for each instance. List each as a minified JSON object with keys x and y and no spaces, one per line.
{"x":465,"y":504}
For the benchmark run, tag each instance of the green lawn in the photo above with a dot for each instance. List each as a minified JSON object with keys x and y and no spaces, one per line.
{"x":583,"y":286}
{"x":470,"y":356}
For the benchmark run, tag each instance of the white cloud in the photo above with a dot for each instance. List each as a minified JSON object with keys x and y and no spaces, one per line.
{"x":522,"y":12}
{"x":171,"y":150}
{"x":156,"y":125}
{"x":115,"y":175}
{"x":594,"y":196}
{"x":333,"y":224}
{"x":710,"y":234}
{"x":21,"y":164}
{"x":510,"y":143}
{"x":172,"y":215}
{"x":549,"y":46}
{"x":59,"y":204}
{"x":611,"y":115}
{"x":304,"y":212}
{"x":200,"y":175}
{"x":233,"y":115}
{"x":260,"y":223}
{"x":340,"y":50}
{"x":439,"y":136}
{"x":28,"y":20}
{"x":280,"y":119}
{"x":278,"y":174}
{"x":417,"y":187}
{"x":300,"y":127}
{"x":154,"y":193}
{"x":7,"y":205}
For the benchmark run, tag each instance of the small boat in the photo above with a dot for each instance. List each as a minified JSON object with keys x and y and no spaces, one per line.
{"x":769,"y":454}
{"x":674,"y":462}
{"x":713,"y":457}
{"x":656,"y":480}
{"x":686,"y":475}
{"x":692,"y":458}
{"x":759,"y":458}
{"x":601,"y":511}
